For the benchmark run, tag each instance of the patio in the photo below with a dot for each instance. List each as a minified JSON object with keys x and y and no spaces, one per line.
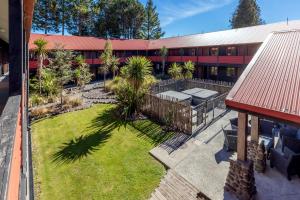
{"x":204,"y":162}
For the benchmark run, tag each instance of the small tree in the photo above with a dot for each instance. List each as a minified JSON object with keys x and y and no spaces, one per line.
{"x":41,"y":53}
{"x":106,"y":58}
{"x":188,"y":70}
{"x":136,"y":81}
{"x":49,"y":82}
{"x":61,"y":63}
{"x":82,"y":73}
{"x":175,"y":71}
{"x":114,"y":65}
{"x":163,"y":54}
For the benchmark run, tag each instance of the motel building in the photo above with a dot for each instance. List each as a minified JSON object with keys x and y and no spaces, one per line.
{"x":220,"y":56}
{"x":267,"y":88}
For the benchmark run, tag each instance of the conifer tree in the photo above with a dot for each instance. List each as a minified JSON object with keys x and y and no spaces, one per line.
{"x":151,"y":27}
{"x":46,"y":16}
{"x":246,"y":14}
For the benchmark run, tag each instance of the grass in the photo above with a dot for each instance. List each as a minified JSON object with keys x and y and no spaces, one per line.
{"x":91,"y":155}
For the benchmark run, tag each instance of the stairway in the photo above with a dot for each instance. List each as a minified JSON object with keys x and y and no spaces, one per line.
{"x":174,"y":187}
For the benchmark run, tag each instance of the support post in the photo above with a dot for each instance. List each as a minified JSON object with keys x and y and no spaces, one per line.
{"x":242,"y":136}
{"x":254,"y":129}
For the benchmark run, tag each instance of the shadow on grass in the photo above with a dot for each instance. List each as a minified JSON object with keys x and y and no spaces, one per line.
{"x":98,"y":133}
{"x":151,"y":131}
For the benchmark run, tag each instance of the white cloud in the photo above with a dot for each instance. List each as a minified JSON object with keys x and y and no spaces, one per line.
{"x":171,"y":10}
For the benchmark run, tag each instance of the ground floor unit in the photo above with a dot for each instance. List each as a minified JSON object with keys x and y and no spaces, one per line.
{"x":216,"y":72}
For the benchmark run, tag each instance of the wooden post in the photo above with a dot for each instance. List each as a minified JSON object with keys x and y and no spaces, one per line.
{"x":254,"y":128}
{"x":15,"y":46}
{"x":242,"y":136}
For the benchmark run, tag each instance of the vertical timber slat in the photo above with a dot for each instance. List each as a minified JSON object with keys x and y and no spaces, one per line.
{"x":242,"y":136}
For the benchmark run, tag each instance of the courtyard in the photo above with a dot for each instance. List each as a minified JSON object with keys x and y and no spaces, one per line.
{"x":96,"y":156}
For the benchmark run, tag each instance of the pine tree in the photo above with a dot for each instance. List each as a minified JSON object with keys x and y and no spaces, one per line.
{"x":82,"y":18}
{"x":120,"y":19}
{"x":151,"y":27}
{"x":61,"y":63}
{"x":246,"y":14}
{"x":46,"y":17}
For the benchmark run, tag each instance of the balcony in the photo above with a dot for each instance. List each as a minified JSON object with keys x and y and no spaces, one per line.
{"x":189,"y":58}
{"x":11,"y":148}
{"x":174,"y":59}
{"x":155,"y":58}
{"x":231,"y":59}
{"x":208,"y":59}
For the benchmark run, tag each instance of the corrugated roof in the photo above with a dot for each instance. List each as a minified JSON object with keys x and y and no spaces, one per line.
{"x":270,"y":85}
{"x":87,"y":43}
{"x":249,"y":35}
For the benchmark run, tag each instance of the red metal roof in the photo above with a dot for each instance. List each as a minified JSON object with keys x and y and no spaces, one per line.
{"x":249,"y":35}
{"x":270,"y":85}
{"x":87,"y":43}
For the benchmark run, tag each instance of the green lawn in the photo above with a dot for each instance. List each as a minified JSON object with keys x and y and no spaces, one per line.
{"x":90,"y":155}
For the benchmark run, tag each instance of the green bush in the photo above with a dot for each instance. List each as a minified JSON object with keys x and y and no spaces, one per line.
{"x":36,"y":100}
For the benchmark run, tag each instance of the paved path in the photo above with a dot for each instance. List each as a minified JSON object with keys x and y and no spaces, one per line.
{"x":204,"y":164}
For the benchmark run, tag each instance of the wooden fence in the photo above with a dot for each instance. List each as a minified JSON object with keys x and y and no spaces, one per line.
{"x":168,"y":111}
{"x":180,"y":85}
{"x":183,"y":116}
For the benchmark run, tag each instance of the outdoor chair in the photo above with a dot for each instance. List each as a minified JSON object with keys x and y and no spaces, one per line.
{"x":288,"y":131}
{"x":234,"y":125}
{"x":266,"y":127}
{"x":291,"y":143}
{"x":230,"y":142}
{"x":287,"y":163}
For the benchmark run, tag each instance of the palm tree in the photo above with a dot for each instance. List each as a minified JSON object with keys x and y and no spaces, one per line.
{"x":175,"y":71}
{"x":188,"y":68}
{"x":106,"y":58}
{"x":41,"y":53}
{"x":163,"y":54}
{"x":137,"y":80}
{"x":136,"y":71}
{"x":114,"y":65}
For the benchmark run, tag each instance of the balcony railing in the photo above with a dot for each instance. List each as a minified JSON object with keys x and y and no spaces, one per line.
{"x":200,"y":59}
{"x":10,"y":140}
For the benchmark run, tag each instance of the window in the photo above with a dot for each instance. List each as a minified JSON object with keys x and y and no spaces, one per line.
{"x":214,"y":71}
{"x":230,"y":71}
{"x":231,"y":51}
{"x":193,"y":52}
{"x":214,"y":51}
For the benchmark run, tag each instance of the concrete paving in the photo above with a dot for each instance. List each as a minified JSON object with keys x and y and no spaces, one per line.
{"x":203,"y":162}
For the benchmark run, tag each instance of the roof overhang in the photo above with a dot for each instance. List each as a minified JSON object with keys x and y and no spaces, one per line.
{"x":28,"y":14}
{"x":4,"y":28}
{"x":249,"y":107}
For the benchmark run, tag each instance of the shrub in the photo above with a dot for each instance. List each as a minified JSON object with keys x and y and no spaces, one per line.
{"x":114,"y":84}
{"x":76,"y":102}
{"x":71,"y":102}
{"x":36,"y":100}
{"x":40,"y":112}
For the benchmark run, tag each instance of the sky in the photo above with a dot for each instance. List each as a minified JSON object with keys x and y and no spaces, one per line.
{"x":183,"y":17}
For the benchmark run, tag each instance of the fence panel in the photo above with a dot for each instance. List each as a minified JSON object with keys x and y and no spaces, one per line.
{"x":168,"y":111}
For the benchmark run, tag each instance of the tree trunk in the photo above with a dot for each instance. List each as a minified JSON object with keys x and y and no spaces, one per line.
{"x":61,"y":97}
{"x":63,"y":18}
{"x":40,"y":65}
{"x":104,"y":79}
{"x":163,"y":66}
